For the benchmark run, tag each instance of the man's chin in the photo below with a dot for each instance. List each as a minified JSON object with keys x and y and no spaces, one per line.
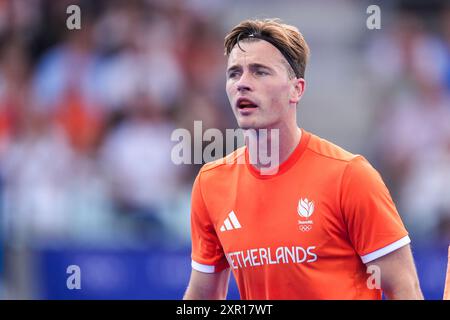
{"x":246,"y":125}
{"x":249,"y":127}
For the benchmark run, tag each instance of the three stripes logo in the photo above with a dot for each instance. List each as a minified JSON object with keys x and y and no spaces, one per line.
{"x":230,"y":223}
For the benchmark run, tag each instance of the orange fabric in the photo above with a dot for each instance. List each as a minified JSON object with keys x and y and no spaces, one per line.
{"x":300,"y":233}
{"x":447,"y":280}
{"x":82,"y":126}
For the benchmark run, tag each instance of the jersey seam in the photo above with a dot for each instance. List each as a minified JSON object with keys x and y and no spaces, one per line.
{"x":340,"y":192}
{"x":345,"y":220}
{"x":225,"y":162}
{"x":208,"y":214}
{"x":333,"y":158}
{"x":201,"y":194}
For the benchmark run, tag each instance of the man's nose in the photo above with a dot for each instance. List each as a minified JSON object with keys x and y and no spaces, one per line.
{"x":244,"y":83}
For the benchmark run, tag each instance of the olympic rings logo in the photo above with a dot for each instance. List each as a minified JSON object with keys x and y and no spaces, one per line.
{"x":305,"y":227}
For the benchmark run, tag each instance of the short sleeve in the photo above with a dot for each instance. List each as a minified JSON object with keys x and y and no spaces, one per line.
{"x":373,"y":223}
{"x":207,"y":253}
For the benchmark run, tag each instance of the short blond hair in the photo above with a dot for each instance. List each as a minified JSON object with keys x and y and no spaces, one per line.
{"x":286,"y":38}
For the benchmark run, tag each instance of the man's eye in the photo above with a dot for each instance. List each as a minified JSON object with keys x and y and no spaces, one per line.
{"x":261,"y":73}
{"x":232,"y":75}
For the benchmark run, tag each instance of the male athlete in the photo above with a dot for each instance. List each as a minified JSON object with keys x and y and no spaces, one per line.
{"x":321,"y":226}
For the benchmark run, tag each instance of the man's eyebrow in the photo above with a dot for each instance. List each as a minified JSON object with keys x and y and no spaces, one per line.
{"x":234,"y":68}
{"x":252,"y":66}
{"x":259,"y":65}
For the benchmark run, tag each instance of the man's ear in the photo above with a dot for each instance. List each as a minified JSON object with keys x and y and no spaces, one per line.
{"x":298,"y":87}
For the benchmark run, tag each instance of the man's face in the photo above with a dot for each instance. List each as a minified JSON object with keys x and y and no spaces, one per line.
{"x":258,"y":86}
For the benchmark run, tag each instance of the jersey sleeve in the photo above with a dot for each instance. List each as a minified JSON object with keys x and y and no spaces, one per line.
{"x":373,"y":223}
{"x":207,"y":253}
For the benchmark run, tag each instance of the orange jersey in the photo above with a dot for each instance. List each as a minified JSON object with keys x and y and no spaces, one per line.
{"x":304,"y":233}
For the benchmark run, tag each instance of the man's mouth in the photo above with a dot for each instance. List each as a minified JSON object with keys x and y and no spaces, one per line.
{"x":244,"y":103}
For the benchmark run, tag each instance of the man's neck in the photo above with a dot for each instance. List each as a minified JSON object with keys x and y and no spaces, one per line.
{"x":269,"y":148}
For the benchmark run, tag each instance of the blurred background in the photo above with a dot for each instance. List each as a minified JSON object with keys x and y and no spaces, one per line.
{"x":86,"y":118}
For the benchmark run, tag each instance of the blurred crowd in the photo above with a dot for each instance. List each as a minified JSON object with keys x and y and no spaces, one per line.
{"x":410,"y":76}
{"x":86,"y":117}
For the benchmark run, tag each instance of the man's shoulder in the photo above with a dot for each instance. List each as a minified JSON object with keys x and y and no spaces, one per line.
{"x":326,"y":149}
{"x":227,"y":162}
{"x":355,"y":166}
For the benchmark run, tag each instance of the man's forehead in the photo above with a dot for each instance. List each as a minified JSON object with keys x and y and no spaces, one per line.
{"x":259,"y":51}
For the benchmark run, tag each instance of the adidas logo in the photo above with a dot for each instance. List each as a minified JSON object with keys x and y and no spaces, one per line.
{"x":230,"y":223}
